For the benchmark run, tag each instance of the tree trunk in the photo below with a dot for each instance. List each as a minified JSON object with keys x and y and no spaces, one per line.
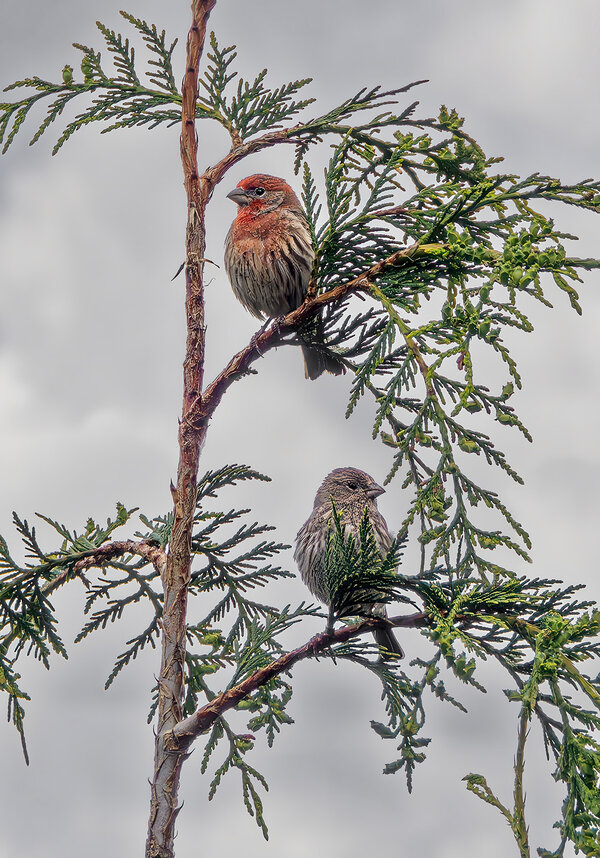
{"x":167,"y":759}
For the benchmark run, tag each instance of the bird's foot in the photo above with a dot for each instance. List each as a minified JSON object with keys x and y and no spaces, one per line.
{"x":315,"y":645}
{"x":277,"y":323}
{"x":254,"y":340}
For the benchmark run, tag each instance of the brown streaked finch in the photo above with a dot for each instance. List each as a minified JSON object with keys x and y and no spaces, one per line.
{"x":269,"y":257}
{"x":352,"y":491}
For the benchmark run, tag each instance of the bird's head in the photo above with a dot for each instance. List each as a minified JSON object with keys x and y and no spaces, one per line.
{"x":260,"y":193}
{"x":348,"y":486}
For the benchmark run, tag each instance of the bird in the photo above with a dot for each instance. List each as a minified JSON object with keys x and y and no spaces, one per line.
{"x":269,"y":257}
{"x":352,"y":491}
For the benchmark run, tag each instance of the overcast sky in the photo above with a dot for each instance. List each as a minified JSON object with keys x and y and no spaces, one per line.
{"x":91,"y":345}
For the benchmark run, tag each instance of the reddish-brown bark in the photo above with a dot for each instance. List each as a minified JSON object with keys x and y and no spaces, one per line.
{"x":190,"y":728}
{"x":167,"y":765}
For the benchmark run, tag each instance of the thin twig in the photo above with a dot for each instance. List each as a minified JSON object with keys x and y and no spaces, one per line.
{"x":518,"y":824}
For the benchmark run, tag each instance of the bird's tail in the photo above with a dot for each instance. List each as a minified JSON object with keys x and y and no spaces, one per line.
{"x":388,"y":644}
{"x":317,"y":357}
{"x":385,"y":638}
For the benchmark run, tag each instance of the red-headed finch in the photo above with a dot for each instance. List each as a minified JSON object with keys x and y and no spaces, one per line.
{"x":269,"y":258}
{"x":352,"y":491}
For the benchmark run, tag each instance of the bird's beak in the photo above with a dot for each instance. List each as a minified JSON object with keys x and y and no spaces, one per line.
{"x":375,"y":490}
{"x":239,"y":196}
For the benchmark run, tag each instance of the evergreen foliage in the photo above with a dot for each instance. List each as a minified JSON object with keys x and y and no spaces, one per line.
{"x":451,"y":253}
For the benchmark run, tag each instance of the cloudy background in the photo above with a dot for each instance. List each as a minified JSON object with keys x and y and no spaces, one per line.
{"x":91,"y":345}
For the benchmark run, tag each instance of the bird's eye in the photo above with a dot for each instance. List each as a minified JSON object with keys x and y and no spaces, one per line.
{"x":352,"y":486}
{"x":258,"y":192}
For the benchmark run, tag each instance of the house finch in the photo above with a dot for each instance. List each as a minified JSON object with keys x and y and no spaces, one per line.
{"x":352,"y":491}
{"x":269,"y":258}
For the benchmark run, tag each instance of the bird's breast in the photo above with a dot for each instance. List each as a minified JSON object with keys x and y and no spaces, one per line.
{"x":269,"y":263}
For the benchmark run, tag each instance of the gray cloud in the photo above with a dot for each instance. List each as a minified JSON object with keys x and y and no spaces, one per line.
{"x":91,"y":344}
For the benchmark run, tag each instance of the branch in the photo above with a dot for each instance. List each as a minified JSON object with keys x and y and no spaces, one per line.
{"x":149,"y":550}
{"x":152,"y":552}
{"x":213,"y":175}
{"x":191,"y":727}
{"x":88,"y":559}
{"x":272,"y":336}
{"x":81,"y":560}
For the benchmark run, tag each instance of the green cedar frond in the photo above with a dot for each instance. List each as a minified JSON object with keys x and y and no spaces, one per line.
{"x":135,"y":646}
{"x":217,"y":76}
{"x":118,"y":99}
{"x":267,"y":707}
{"x":156,"y":44}
{"x":123,"y":55}
{"x":356,"y":573}
{"x":236,"y":562}
{"x":270,"y":702}
{"x":239,"y":744}
{"x":228,"y":475}
{"x":253,"y":107}
{"x":417,"y":357}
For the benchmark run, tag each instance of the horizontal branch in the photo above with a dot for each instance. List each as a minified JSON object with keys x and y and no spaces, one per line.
{"x":77,"y":562}
{"x":191,"y":727}
{"x":95,"y":557}
{"x":149,"y":550}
